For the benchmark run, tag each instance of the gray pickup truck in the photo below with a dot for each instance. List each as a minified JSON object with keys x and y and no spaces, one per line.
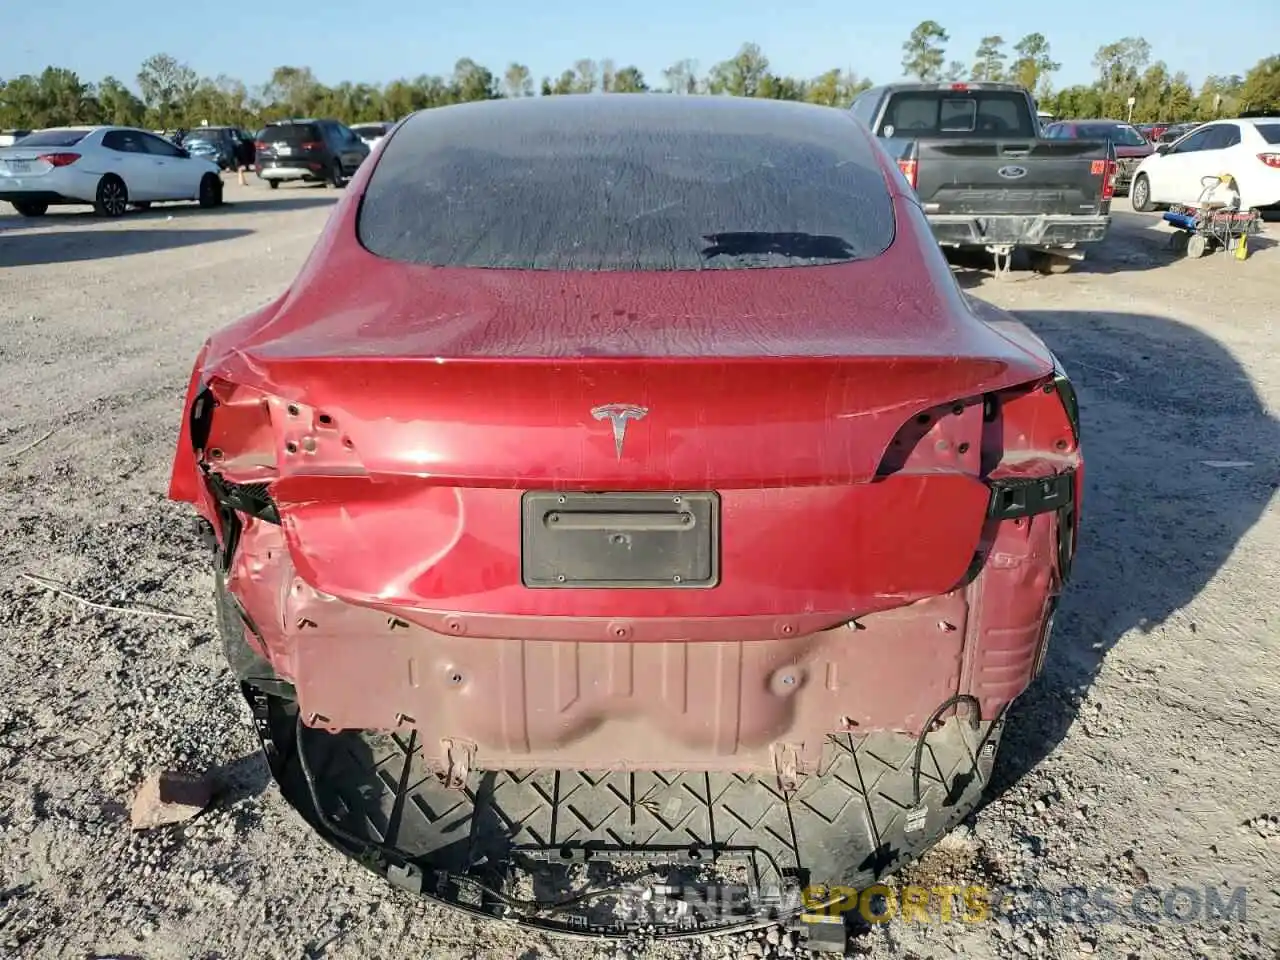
{"x":985,"y":176}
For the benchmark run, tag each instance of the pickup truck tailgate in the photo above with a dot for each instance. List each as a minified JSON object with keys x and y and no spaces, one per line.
{"x":1020,"y":177}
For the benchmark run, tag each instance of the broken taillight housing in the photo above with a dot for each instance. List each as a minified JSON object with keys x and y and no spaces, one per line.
{"x":1272,"y":160}
{"x":909,"y":170}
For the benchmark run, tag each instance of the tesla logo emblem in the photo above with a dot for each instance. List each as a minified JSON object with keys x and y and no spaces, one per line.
{"x":1012,"y":173}
{"x":618,"y":414}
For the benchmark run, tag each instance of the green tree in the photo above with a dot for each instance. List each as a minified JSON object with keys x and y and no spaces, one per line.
{"x":925,"y":51}
{"x":1219,"y":97}
{"x":517,"y":82}
{"x":1261,"y":87}
{"x":681,"y":77}
{"x":629,"y":80}
{"x":473,"y":82}
{"x":988,"y":62}
{"x":1181,"y":101}
{"x":586,"y":76}
{"x":742,"y":74}
{"x":291,"y":92}
{"x":167,"y":87}
{"x":1033,"y":63}
{"x":169,"y":93}
{"x":120,"y":106}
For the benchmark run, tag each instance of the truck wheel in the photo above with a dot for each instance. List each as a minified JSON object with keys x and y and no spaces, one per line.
{"x":1048,"y":263}
{"x":1140,"y":194}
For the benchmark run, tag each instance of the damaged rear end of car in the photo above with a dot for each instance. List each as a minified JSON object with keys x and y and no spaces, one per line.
{"x":608,"y":586}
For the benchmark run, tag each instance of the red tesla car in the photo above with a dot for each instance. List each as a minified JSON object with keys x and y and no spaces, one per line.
{"x":625,"y":499}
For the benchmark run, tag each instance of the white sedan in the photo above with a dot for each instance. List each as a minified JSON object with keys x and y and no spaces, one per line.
{"x":1248,"y":150}
{"x":111,"y":168}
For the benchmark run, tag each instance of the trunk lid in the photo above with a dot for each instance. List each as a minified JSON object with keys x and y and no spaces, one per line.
{"x":1025,"y":176}
{"x":413,"y":414}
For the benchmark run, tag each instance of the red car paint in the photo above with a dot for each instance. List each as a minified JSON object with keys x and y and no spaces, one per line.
{"x":398,"y":412}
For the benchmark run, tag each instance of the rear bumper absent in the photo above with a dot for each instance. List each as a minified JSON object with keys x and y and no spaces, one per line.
{"x":615,"y":854}
{"x":486,"y":692}
{"x":964,"y":230}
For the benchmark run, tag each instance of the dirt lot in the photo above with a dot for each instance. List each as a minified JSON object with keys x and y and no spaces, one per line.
{"x":1145,"y":756}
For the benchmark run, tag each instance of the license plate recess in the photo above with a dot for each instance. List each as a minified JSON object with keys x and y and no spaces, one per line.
{"x":620,"y":540}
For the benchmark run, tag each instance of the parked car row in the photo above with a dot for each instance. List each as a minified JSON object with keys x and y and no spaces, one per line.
{"x":114,"y":168}
{"x":109,"y":167}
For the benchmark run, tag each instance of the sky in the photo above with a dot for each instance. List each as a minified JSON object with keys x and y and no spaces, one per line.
{"x":380,"y":41}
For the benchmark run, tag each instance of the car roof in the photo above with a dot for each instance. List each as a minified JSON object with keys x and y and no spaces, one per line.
{"x":702,"y":112}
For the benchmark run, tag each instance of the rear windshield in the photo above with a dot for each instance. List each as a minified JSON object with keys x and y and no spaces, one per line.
{"x":943,"y":113}
{"x":291,"y":133}
{"x":364,"y":130}
{"x":1270,"y":131}
{"x":1117,"y":133}
{"x":53,"y":138}
{"x":627,"y":183}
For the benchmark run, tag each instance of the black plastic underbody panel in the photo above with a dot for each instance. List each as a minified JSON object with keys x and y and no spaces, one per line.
{"x":613,"y":540}
{"x":626,"y":854}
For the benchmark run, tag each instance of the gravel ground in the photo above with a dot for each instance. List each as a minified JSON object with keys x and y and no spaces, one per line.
{"x":1144,"y":757}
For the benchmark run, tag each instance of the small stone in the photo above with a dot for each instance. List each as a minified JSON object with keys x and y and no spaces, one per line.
{"x":168,"y":797}
{"x":755,"y":949}
{"x":1087,"y":946}
{"x":773,"y":937}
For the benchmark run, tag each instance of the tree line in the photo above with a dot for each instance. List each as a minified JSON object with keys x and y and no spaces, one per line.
{"x":168,"y":94}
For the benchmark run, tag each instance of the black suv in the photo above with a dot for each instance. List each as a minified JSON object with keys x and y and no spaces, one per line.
{"x":311,"y":150}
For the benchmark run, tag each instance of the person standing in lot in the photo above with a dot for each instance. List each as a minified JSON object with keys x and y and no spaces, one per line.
{"x":244,"y":156}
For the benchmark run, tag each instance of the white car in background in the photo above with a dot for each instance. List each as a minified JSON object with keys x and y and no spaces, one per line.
{"x":1247,"y":149}
{"x":110,"y":168}
{"x":371,"y":133}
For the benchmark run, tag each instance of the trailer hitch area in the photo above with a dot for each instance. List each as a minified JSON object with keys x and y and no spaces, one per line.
{"x":1003,"y":254}
{"x":1064,"y":252}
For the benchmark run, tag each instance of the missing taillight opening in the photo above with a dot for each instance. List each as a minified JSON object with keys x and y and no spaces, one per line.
{"x":59,"y":159}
